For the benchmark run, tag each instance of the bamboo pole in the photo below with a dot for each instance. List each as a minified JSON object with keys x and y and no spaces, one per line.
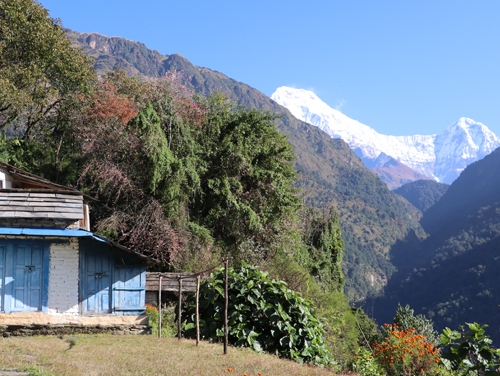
{"x":197,"y":309}
{"x":226,"y":307}
{"x":179,"y":321}
{"x":159,"y":309}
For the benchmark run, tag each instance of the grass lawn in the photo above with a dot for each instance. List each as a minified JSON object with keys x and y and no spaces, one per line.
{"x":107,"y":354}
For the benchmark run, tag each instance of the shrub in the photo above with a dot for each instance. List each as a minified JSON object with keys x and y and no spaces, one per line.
{"x":403,"y":352}
{"x":365,"y":364}
{"x":263,"y":314}
{"x":470,"y":351}
{"x":405,"y":319}
{"x":168,"y":327}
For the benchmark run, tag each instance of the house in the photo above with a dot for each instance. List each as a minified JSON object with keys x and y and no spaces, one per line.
{"x":54,"y":272}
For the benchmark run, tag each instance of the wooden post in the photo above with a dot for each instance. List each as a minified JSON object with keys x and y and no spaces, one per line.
{"x":197,"y":309}
{"x":179,"y":321}
{"x":226,"y":307}
{"x":159,"y":309}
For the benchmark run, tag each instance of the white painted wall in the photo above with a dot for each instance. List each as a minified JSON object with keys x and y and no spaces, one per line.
{"x":6,"y":179}
{"x":63,"y":278}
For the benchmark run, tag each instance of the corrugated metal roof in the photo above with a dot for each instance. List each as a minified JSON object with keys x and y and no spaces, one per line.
{"x":50,"y":232}
{"x":44,"y":232}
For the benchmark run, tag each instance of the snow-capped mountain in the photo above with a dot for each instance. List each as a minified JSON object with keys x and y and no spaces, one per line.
{"x":441,"y":157}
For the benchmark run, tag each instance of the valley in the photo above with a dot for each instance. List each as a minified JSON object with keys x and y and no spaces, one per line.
{"x":271,"y":222}
{"x":330,"y":174}
{"x":391,"y":248}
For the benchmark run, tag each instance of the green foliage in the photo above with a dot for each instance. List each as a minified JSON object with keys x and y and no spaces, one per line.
{"x":168,"y":325}
{"x":406,"y":320}
{"x":42,"y":77}
{"x":158,"y":157}
{"x":365,"y":364}
{"x":322,"y":235}
{"x":246,"y":180}
{"x":372,"y":217}
{"x":263,"y":314}
{"x":341,"y":324}
{"x":39,"y":69}
{"x":470,"y":351}
{"x":422,"y":193}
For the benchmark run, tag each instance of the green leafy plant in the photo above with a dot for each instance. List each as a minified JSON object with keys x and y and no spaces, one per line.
{"x":168,"y":327}
{"x":406,"y":320}
{"x":263,"y":314}
{"x":365,"y":364}
{"x":470,"y":351}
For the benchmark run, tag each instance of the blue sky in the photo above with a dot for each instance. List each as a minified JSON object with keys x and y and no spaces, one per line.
{"x":401,"y":67}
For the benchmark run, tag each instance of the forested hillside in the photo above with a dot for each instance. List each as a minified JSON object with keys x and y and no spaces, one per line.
{"x":190,"y":167}
{"x":185,"y":178}
{"x":330,"y":174}
{"x":423,"y":194}
{"x":452,"y":276}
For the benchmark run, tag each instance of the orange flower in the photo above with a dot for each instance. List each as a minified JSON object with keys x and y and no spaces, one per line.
{"x":150,"y":307}
{"x":405,"y":351}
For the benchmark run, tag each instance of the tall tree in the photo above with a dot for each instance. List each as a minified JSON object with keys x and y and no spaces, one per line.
{"x":323,"y":236}
{"x":126,"y":163}
{"x":39,"y":69}
{"x":247,"y":178}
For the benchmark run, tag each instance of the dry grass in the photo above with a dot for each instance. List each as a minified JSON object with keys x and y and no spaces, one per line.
{"x":138,"y":355}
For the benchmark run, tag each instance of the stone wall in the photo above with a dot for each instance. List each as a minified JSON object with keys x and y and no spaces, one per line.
{"x":31,"y":330}
{"x":39,"y":319}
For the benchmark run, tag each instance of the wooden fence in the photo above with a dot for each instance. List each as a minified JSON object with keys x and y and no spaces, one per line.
{"x":170,"y":281}
{"x":180,"y":282}
{"x":185,"y":282}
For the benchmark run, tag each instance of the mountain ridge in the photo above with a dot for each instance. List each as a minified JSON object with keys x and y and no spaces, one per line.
{"x":330,"y":173}
{"x":423,"y":194}
{"x":440,"y":156}
{"x":453,"y":274}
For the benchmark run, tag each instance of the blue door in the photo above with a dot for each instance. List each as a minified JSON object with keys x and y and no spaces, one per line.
{"x":27,"y":278}
{"x":129,"y":289}
{"x":2,"y":277}
{"x":96,"y":283}
{"x":112,"y":281}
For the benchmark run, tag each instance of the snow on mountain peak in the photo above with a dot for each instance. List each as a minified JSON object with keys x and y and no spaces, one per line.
{"x":441,"y":157}
{"x":462,"y":143}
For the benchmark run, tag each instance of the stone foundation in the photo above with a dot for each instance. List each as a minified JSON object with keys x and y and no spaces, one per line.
{"x":40,"y":318}
{"x":32,"y":330}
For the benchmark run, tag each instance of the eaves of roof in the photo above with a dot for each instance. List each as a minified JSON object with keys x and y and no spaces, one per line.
{"x":57,"y":233}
